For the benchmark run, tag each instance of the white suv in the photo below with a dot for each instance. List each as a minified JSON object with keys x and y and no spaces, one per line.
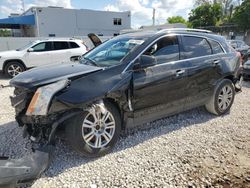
{"x":39,"y":53}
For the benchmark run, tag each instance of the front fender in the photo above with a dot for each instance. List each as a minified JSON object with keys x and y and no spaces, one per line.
{"x":109,"y":84}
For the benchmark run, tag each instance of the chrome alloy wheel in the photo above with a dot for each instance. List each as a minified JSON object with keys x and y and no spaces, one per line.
{"x":225,"y":98}
{"x":14,"y":70}
{"x":98,"y":127}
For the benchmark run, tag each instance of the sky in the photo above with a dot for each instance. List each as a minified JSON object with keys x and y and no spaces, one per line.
{"x":141,"y":9}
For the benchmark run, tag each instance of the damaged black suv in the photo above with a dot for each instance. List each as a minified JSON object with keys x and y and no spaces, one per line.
{"x":128,"y":80}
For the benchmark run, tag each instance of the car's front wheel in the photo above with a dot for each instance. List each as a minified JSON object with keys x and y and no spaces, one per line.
{"x":94,"y":132}
{"x":222,"y":99}
{"x":13,"y":68}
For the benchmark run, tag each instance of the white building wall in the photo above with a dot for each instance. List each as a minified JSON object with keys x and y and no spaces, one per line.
{"x":73,"y":22}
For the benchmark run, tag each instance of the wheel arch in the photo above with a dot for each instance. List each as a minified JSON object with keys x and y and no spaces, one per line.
{"x":13,"y":60}
{"x":230,"y":77}
{"x":118,"y":106}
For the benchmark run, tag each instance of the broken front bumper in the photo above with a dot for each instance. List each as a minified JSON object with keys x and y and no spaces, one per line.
{"x":19,"y":171}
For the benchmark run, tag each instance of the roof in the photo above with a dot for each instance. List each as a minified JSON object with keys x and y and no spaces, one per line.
{"x":196,"y":32}
{"x":148,"y":33}
{"x":15,"y":22}
{"x":58,"y":39}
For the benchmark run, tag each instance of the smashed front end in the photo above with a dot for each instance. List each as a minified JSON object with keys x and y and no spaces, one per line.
{"x":32,"y":113}
{"x":32,"y":109}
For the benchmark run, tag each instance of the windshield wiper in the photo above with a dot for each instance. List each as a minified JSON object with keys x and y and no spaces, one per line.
{"x":91,"y":61}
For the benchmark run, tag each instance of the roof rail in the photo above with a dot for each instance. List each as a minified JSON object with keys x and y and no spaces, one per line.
{"x":185,"y":29}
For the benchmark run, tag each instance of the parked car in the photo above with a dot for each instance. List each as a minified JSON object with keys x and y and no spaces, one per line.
{"x":40,"y":53}
{"x":246,"y":70}
{"x":241,"y":47}
{"x":127,"y":81}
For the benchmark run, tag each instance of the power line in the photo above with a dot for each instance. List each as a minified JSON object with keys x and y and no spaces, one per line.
{"x":23,"y":8}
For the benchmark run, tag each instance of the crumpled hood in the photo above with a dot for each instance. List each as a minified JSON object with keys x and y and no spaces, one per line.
{"x":49,"y":74}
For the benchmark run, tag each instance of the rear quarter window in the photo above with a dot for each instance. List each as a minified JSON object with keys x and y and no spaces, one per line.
{"x":216,"y":47}
{"x":195,"y":47}
{"x":73,"y":45}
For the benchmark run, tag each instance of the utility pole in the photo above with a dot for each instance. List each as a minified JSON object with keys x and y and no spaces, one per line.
{"x":153,"y":17}
{"x":23,"y":9}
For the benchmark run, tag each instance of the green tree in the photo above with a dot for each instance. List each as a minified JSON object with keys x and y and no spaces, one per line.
{"x":205,"y":15}
{"x":176,"y":19}
{"x":227,"y":5}
{"x":5,"y":33}
{"x":241,"y":15}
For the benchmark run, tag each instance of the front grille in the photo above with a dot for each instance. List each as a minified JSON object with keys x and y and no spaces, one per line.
{"x":21,"y":100}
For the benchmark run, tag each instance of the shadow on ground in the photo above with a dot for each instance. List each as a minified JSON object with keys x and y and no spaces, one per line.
{"x":246,"y":84}
{"x":4,"y":77}
{"x":128,"y":139}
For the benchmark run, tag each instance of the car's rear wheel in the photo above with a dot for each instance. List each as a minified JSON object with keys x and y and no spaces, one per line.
{"x":222,"y":99}
{"x":13,"y":68}
{"x":94,"y":132}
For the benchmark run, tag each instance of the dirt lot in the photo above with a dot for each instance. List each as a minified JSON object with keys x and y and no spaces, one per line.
{"x":192,"y":149}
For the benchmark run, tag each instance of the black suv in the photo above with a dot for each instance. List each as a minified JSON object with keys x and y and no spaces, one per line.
{"x":128,"y":80}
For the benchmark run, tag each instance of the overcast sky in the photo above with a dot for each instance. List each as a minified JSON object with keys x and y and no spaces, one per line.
{"x":141,"y":9}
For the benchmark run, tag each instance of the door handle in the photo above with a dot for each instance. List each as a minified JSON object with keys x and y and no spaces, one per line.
{"x":216,"y":62}
{"x":179,"y":72}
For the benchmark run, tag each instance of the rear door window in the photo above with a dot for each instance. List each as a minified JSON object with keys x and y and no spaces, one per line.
{"x":61,"y":45}
{"x":165,"y":50}
{"x":195,"y":47}
{"x":216,"y":47}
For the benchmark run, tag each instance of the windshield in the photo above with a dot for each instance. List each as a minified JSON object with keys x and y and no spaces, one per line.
{"x":26,"y":46}
{"x":111,"y":52}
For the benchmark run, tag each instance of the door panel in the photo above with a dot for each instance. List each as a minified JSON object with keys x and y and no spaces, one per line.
{"x":202,"y":68}
{"x":61,"y":53}
{"x":60,"y":56}
{"x":40,"y":55}
{"x":200,"y":87}
{"x":160,"y":88}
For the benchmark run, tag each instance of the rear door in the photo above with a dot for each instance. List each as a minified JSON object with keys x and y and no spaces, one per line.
{"x":161,"y":88}
{"x":61,"y":52}
{"x":202,"y":69}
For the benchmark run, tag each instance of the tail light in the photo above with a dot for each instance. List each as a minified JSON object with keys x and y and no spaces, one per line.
{"x":240,"y":56}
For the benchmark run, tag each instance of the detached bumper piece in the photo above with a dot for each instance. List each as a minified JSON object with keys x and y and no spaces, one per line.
{"x":238,"y":84}
{"x":20,"y":171}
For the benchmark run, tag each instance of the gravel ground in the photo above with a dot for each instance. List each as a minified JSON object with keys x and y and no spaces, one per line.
{"x":192,"y":149}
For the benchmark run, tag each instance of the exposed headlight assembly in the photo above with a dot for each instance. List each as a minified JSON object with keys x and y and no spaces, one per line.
{"x":40,"y":102}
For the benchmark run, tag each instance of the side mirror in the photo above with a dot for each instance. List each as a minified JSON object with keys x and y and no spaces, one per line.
{"x":145,"y":61}
{"x":30,"y":50}
{"x":234,"y":46}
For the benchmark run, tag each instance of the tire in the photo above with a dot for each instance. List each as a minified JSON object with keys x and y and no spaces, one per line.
{"x":82,"y":135}
{"x":222,"y":99}
{"x":13,"y":68}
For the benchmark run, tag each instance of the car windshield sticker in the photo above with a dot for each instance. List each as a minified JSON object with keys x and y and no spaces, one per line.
{"x":138,"y":42}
